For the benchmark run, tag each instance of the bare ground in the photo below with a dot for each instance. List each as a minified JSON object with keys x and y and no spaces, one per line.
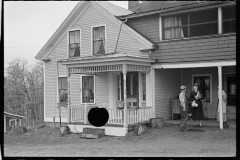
{"x":161,"y":142}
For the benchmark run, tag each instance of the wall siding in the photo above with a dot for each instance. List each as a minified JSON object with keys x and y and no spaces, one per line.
{"x":93,"y":17}
{"x":221,"y":47}
{"x":90,"y":17}
{"x":147,"y":26}
{"x":167,"y":83}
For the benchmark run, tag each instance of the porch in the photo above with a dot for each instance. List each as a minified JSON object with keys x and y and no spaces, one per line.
{"x":122,"y":85}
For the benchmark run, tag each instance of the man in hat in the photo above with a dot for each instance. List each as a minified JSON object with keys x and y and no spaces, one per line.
{"x":184,"y":104}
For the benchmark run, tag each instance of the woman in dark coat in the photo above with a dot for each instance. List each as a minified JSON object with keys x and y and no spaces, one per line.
{"x":197,"y":112}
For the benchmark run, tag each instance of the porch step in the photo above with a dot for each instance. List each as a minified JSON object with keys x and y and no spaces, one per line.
{"x":94,"y":133}
{"x":91,"y":136}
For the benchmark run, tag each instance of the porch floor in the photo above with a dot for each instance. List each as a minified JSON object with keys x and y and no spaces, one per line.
{"x":205,"y":123}
{"x":108,"y":125}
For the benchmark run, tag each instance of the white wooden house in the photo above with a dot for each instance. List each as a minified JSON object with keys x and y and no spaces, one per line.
{"x":106,"y":56}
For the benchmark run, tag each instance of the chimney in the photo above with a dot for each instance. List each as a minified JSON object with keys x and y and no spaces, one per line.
{"x":133,"y":5}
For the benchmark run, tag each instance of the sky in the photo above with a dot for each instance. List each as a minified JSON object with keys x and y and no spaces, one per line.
{"x":28,"y":25}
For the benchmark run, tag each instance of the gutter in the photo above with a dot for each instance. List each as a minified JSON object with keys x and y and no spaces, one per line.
{"x":164,"y":10}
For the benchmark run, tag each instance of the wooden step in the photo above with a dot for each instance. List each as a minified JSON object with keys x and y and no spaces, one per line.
{"x":91,"y":136}
{"x":93,"y":131}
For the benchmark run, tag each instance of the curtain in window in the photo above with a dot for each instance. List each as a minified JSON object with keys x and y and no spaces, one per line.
{"x":173,"y":32}
{"x":99,"y":40}
{"x":63,"y":89}
{"x":88,"y":88}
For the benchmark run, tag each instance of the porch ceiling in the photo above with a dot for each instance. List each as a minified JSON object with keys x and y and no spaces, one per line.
{"x":93,"y":64}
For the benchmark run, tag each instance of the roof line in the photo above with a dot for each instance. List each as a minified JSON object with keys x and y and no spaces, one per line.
{"x":186,"y":6}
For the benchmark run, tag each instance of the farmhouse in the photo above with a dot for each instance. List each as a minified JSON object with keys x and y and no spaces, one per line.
{"x":132,"y":62}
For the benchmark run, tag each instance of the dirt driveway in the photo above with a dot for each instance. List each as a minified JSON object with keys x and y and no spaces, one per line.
{"x":163,"y":142}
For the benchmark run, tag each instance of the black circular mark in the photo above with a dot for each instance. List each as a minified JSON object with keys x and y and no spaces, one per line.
{"x":98,"y":116}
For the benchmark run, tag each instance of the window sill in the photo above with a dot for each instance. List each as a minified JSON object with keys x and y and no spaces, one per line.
{"x":200,"y":37}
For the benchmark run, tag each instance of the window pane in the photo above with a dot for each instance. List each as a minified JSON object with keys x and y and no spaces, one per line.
{"x":63,"y":93}
{"x":175,"y":33}
{"x":87,"y":89}
{"x":205,"y":29}
{"x":71,"y":38}
{"x":229,"y":26}
{"x":144,"y":86}
{"x":62,"y":83}
{"x":99,"y":47}
{"x":135,"y":84}
{"x":204,"y":16}
{"x":229,"y":12}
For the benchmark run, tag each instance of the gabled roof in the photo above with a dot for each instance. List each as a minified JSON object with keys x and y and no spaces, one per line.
{"x":147,"y":6}
{"x":113,"y":9}
{"x":14,"y":115}
{"x":77,"y":11}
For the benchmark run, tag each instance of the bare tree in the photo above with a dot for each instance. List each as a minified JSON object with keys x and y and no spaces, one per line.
{"x":23,"y":90}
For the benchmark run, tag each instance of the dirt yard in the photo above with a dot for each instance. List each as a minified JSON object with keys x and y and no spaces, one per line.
{"x":162,"y":142}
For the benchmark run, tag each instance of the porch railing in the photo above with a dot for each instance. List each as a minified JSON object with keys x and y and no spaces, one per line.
{"x":138,"y":115}
{"x":115,"y":116}
{"x":78,"y":113}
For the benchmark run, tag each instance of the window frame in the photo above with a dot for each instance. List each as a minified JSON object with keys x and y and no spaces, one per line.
{"x":227,"y":20}
{"x":188,"y":25}
{"x":80,"y":41}
{"x":94,"y":83}
{"x":203,"y":75}
{"x":59,"y":90}
{"x":100,"y":25}
{"x":174,"y":13}
{"x":145,"y":87}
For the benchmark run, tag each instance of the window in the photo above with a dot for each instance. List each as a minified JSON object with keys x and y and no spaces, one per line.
{"x":88,"y":89}
{"x":204,"y":83}
{"x":229,"y":19}
{"x":144,"y":87}
{"x":119,"y":94}
{"x":99,"y":43}
{"x":132,"y":84}
{"x":74,"y":43}
{"x":191,"y":24}
{"x":63,"y":89}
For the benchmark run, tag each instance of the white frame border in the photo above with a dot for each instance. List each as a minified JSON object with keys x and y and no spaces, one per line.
{"x":100,"y":25}
{"x":94,"y":83}
{"x":80,"y":40}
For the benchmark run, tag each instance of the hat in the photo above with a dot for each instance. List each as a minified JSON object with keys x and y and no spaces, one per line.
{"x":195,"y":84}
{"x":183,"y":87}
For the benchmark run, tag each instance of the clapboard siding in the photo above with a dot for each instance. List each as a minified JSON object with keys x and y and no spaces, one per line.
{"x":93,"y":17}
{"x":167,"y":83}
{"x":102,"y":89}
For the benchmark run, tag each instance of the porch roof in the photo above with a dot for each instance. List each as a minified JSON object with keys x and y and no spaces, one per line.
{"x":14,"y":115}
{"x":109,"y":62}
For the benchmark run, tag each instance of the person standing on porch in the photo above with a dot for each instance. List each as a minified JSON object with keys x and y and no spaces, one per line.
{"x":224,"y":109}
{"x":184,"y":108}
{"x":196,"y":103}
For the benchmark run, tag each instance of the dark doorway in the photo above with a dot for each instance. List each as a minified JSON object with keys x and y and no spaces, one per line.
{"x":231,"y":91}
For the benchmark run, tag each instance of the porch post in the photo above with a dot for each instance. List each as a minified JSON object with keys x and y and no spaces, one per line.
{"x":153,"y":93}
{"x":68,"y":109}
{"x":85,"y":114}
{"x":5,"y":130}
{"x":220,"y":96}
{"x":125,"y":93}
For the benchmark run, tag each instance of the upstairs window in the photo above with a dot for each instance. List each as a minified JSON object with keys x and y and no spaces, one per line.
{"x":63,"y":89}
{"x":229,"y":19}
{"x":99,"y":43}
{"x":74,"y":43}
{"x":193,"y":24}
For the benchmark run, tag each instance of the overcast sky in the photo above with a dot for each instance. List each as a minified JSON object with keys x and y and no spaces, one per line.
{"x":28,"y":25}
